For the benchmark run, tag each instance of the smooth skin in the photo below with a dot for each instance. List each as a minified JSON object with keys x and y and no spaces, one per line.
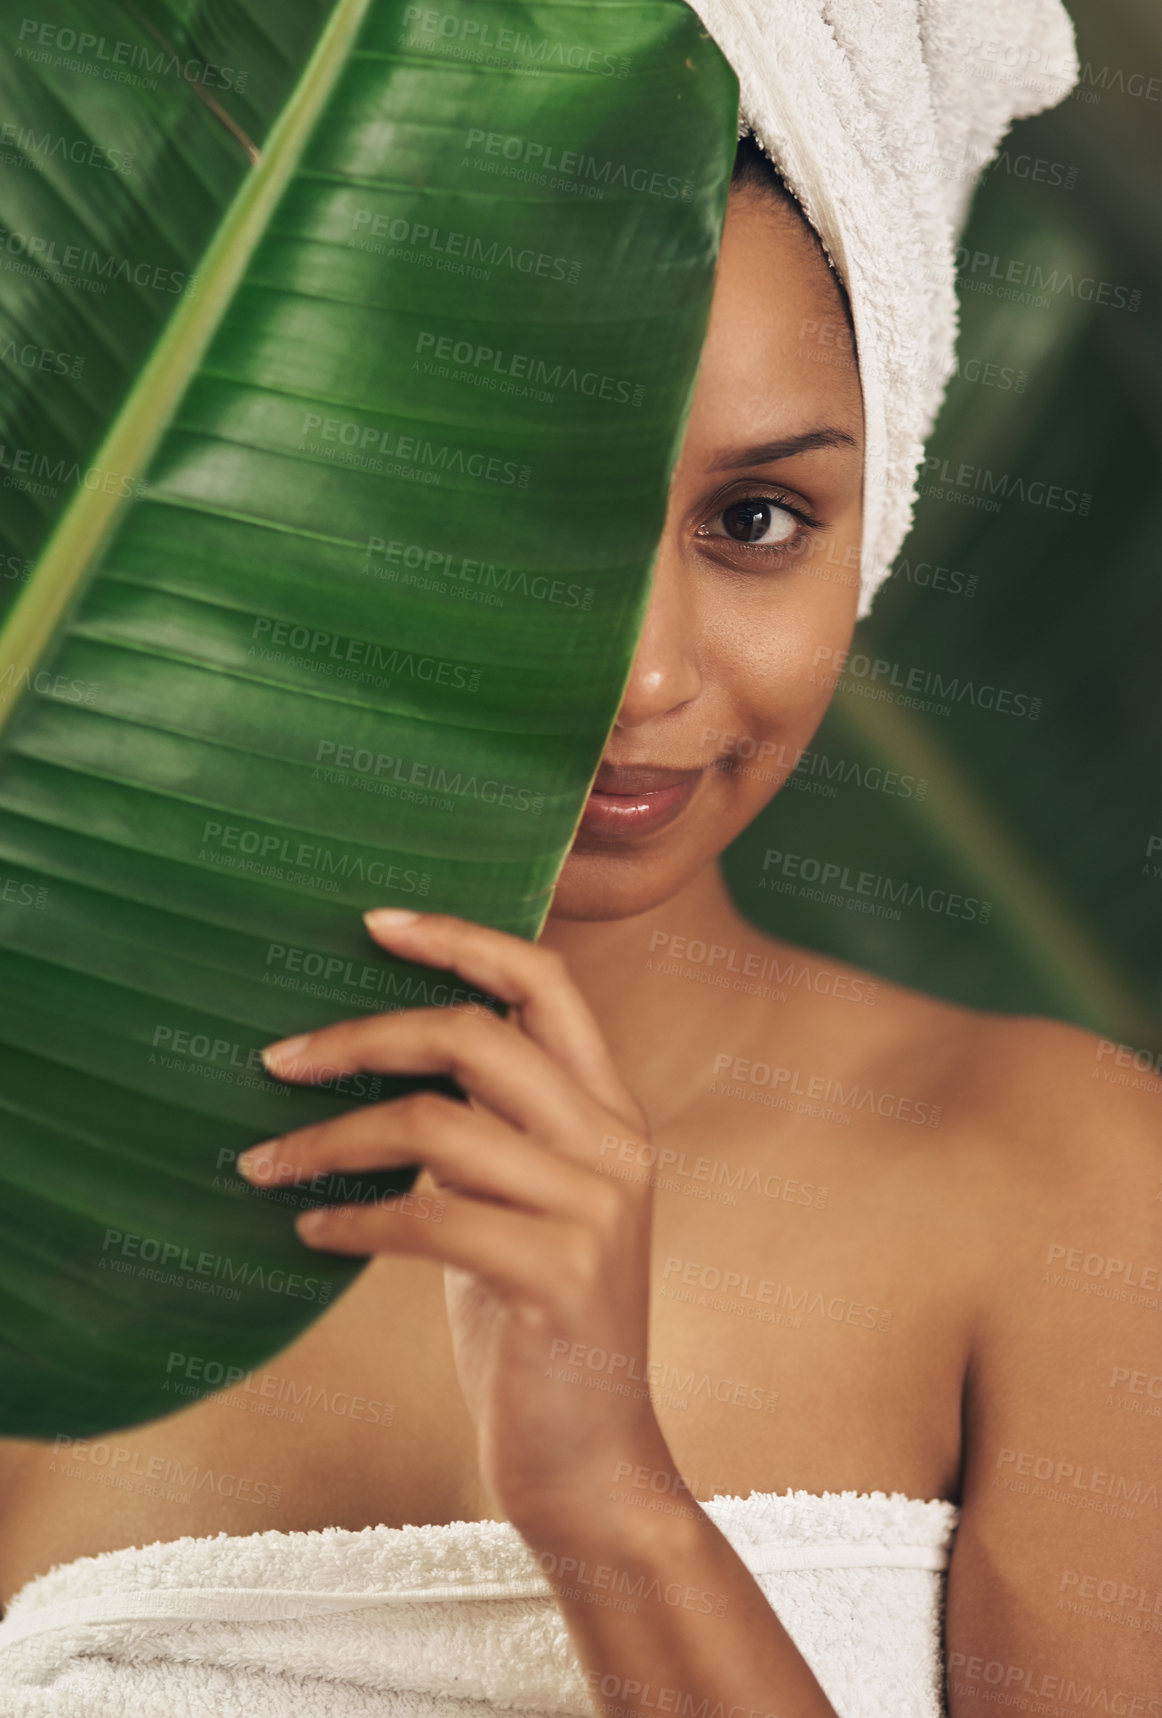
{"x":961,"y":1353}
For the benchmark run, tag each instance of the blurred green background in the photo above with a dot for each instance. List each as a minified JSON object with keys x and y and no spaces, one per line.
{"x":1049,"y":819}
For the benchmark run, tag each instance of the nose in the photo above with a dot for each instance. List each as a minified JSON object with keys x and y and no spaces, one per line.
{"x":665,"y":674}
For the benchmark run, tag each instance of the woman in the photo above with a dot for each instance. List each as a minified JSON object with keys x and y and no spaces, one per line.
{"x":879,"y":1294}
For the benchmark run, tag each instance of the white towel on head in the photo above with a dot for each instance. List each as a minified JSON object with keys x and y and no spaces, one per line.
{"x":454,"y":1622}
{"x":880,"y":115}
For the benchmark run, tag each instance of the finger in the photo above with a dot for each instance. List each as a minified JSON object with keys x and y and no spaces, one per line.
{"x":469,"y":1152}
{"x":516,"y":1254}
{"x":489,"y":1058}
{"x":533,"y":979}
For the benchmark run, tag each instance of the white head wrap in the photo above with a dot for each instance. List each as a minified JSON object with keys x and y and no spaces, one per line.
{"x":880,"y":115}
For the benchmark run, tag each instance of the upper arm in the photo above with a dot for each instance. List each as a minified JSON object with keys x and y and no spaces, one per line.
{"x":1054,"y":1599}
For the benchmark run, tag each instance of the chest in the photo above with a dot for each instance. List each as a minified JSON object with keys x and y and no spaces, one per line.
{"x":809,"y":1322}
{"x":807,"y":1333}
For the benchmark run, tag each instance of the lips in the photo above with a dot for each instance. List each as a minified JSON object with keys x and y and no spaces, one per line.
{"x":628,"y":779}
{"x":634,"y":799}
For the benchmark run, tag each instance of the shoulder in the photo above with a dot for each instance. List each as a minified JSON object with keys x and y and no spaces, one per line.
{"x":1040,"y":1104}
{"x":1032,"y":1125}
{"x":1042,"y":1212}
{"x":1063,"y":1387}
{"x":1061,"y":1142}
{"x":1058,"y":1083}
{"x":1028,"y":1124}
{"x":1064,"y":1122}
{"x":1062,"y":1132}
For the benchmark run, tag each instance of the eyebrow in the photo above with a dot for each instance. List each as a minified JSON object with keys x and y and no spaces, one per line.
{"x":766,"y":452}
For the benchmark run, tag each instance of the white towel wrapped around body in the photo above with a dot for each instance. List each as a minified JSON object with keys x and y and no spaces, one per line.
{"x":455,"y":1621}
{"x":880,"y":115}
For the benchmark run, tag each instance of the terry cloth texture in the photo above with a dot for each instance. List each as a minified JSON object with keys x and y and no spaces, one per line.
{"x":880,"y":115}
{"x":456,"y":1621}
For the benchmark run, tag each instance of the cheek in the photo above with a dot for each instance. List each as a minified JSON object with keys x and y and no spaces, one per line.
{"x":779,"y":660}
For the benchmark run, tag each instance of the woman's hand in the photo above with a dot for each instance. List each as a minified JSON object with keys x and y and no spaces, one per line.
{"x":546,"y":1258}
{"x":546,"y":1271}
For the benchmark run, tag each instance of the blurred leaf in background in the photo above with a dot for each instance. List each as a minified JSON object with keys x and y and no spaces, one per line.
{"x":185,"y":62}
{"x":979,"y":815}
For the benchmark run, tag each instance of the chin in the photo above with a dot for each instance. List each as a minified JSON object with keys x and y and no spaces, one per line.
{"x":601,"y":887}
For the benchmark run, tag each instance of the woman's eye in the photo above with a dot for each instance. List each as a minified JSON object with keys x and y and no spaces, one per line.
{"x":756,"y":520}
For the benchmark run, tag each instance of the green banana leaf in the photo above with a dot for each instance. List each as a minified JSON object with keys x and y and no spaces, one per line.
{"x":337,"y":558}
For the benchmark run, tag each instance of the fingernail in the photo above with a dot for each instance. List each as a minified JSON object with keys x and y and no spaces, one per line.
{"x":310,"y":1223}
{"x":285,"y":1050}
{"x":250,"y":1162}
{"x":389,"y":918}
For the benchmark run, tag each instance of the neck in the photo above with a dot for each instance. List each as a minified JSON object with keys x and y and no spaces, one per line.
{"x":650,"y":1021}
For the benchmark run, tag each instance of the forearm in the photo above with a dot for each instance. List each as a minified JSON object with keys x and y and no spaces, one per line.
{"x":666,"y":1618}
